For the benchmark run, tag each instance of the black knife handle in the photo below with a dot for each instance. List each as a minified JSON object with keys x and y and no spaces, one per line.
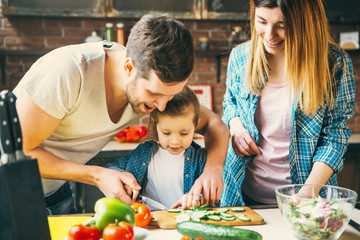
{"x":10,"y":100}
{"x":6,"y":139}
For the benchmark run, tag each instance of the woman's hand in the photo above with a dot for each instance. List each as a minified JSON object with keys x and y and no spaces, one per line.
{"x":187,"y":201}
{"x":243,"y":143}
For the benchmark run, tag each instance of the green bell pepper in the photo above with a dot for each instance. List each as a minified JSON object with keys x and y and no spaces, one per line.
{"x":111,"y":210}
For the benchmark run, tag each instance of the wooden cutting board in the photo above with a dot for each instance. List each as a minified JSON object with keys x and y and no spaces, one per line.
{"x":164,"y":219}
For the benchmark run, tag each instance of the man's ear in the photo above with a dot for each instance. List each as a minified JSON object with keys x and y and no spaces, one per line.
{"x":197,"y":124}
{"x":129,"y":67}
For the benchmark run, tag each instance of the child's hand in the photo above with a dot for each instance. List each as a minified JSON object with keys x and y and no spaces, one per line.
{"x":187,"y":201}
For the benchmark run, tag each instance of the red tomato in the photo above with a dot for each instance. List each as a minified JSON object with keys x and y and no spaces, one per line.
{"x":121,"y":135}
{"x":185,"y":238}
{"x":142,"y":214}
{"x":80,"y":232}
{"x":142,"y":131}
{"x":132,"y":135}
{"x":119,"y":231}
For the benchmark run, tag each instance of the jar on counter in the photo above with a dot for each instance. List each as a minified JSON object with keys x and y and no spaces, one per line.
{"x":93,"y":38}
{"x":120,"y":33}
{"x":109,"y":32}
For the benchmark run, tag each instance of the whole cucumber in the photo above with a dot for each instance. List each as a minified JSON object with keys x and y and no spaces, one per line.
{"x":209,"y":231}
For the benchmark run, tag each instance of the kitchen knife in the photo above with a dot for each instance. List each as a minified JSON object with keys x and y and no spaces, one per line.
{"x":6,"y":140}
{"x":354,"y":224}
{"x":10,"y":99}
{"x":152,"y":203}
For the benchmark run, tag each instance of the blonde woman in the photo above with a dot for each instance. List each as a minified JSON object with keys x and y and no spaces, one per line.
{"x":289,"y":92}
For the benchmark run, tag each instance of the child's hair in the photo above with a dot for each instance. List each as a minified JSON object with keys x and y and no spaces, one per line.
{"x":182,"y":102}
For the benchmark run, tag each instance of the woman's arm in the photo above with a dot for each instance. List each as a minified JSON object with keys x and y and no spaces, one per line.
{"x":334,"y":136}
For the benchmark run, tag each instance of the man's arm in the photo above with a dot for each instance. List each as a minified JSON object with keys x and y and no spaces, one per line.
{"x":210,"y":184}
{"x":37,"y":126}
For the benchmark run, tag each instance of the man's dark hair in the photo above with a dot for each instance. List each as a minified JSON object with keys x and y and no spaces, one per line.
{"x":161,"y":44}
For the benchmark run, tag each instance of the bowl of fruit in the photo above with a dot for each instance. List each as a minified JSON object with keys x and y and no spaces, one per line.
{"x":316,"y":211}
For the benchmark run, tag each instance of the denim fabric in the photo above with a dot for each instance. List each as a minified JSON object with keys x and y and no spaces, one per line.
{"x":322,"y":137}
{"x":138,"y":160}
{"x":61,"y":201}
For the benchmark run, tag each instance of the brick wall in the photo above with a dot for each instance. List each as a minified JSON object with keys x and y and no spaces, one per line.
{"x":45,"y":33}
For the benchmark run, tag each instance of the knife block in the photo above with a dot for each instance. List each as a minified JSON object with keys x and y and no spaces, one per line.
{"x":23,"y":212}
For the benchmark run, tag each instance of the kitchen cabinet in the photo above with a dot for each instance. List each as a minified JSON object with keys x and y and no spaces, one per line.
{"x":185,"y":9}
{"x":65,"y":8}
{"x":337,"y":11}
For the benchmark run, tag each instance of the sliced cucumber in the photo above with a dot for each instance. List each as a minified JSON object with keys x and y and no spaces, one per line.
{"x":174,"y":210}
{"x":222,"y":210}
{"x":213,"y":213}
{"x":241,"y":217}
{"x":182,"y":217}
{"x":226,"y":215}
{"x":213,"y":217}
{"x":231,"y":218}
{"x":238,"y":209}
{"x":188,"y":212}
{"x":199,"y":214}
{"x":194,"y":218}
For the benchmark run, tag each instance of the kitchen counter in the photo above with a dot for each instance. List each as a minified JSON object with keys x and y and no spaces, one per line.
{"x":274,"y":228}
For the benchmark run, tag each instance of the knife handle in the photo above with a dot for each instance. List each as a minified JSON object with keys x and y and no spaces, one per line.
{"x":10,"y":100}
{"x":6,"y":140}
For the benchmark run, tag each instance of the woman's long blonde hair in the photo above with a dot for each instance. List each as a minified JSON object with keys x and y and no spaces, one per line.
{"x":307,"y":42}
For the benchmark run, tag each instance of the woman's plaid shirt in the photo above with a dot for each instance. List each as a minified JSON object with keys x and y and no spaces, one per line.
{"x":322,"y":137}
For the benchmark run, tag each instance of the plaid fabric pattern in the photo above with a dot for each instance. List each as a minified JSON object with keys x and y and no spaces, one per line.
{"x":322,"y":137}
{"x":138,"y":160}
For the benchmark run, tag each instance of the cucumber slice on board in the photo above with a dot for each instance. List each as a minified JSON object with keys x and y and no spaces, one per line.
{"x":242,"y":217}
{"x":175,"y":210}
{"x":237,"y":209}
{"x":214,"y":218}
{"x":182,"y":217}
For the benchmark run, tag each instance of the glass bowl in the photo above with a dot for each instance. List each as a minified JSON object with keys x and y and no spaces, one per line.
{"x":316,"y":211}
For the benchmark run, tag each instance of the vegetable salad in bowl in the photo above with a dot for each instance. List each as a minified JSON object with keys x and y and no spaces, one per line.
{"x":316,"y":211}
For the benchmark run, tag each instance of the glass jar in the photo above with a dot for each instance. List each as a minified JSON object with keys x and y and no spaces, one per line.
{"x":120,"y":33}
{"x":109,"y":32}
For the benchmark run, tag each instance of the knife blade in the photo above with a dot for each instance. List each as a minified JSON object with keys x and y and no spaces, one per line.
{"x":152,"y":203}
{"x":10,"y":100}
{"x":6,"y":140}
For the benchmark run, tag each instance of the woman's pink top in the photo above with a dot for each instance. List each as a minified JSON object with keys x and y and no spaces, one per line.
{"x":270,"y":168}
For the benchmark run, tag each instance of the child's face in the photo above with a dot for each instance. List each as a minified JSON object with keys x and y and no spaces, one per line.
{"x":176,"y":133}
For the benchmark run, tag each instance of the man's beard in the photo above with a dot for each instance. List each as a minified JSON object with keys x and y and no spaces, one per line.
{"x":131,"y":96}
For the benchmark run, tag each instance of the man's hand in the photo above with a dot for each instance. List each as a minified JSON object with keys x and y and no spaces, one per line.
{"x":210,"y":184}
{"x":121,"y":185}
{"x":187,"y":201}
{"x":243,"y":143}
